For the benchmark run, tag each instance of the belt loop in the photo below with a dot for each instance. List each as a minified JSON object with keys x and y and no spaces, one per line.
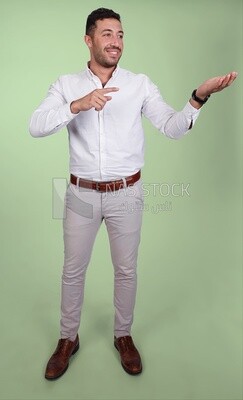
{"x":77,"y":182}
{"x":124,"y":182}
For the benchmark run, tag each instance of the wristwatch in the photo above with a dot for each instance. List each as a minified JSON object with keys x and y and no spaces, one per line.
{"x":200,"y":101}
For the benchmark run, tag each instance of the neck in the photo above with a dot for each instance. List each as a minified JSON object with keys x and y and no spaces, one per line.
{"x":104,"y":74}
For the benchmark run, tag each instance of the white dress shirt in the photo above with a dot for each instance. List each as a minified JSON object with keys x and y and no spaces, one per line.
{"x":108,"y":144}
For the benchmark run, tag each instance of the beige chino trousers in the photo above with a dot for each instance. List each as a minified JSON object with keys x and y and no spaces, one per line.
{"x":84,"y":211}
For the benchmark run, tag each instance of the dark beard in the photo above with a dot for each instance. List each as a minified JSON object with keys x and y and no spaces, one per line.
{"x":100,"y":60}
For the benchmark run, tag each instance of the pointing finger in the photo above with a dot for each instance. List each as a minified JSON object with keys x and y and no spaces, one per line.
{"x":108,"y":90}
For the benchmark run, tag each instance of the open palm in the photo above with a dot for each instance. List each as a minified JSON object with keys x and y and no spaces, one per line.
{"x":216,"y":84}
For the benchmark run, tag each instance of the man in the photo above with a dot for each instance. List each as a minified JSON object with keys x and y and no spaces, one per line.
{"x":102,"y":108}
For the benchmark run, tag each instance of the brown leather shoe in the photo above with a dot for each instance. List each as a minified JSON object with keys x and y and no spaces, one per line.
{"x":59,"y":361}
{"x":130,"y":358}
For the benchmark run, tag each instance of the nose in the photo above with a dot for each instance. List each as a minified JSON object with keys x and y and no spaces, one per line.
{"x":116,"y":41}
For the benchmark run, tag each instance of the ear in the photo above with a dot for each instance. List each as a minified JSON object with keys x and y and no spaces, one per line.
{"x":88,"y":40}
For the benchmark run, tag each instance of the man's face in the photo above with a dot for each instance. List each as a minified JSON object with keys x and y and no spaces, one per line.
{"x":106,"y":42}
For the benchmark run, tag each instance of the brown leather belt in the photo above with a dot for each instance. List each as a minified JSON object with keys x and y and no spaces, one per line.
{"x":107,"y":186}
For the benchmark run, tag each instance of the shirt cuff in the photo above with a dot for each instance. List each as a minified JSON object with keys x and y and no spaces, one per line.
{"x":190,"y":111}
{"x":66,"y":112}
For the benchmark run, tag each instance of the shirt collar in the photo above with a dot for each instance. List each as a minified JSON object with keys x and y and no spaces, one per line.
{"x":91,"y":75}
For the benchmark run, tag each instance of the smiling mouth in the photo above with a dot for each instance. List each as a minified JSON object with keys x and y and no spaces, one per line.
{"x":113,"y":52}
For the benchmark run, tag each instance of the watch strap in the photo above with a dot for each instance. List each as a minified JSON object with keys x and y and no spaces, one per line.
{"x":200,"y":101}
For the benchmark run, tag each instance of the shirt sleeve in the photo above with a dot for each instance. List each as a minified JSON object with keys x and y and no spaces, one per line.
{"x":170,"y":122}
{"x":52,"y":114}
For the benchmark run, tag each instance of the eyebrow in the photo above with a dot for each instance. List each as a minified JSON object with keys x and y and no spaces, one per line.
{"x":110,"y":30}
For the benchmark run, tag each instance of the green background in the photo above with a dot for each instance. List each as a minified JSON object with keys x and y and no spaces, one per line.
{"x":189,"y":307}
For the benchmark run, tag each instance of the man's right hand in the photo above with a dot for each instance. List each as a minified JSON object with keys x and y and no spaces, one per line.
{"x":96,"y":99}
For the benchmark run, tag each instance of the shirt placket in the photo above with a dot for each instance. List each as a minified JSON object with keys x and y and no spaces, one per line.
{"x":101,"y":144}
{"x":101,"y":136}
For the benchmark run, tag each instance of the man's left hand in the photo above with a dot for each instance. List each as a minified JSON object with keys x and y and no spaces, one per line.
{"x":215,"y":84}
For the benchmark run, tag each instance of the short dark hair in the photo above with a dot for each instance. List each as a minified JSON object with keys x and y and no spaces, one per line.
{"x":100,"y":13}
